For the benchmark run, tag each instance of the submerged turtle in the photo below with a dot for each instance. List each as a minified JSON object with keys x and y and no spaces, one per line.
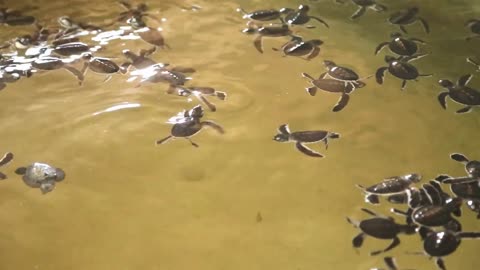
{"x":363,"y":5}
{"x":474,"y":26}
{"x":344,"y":74}
{"x":298,"y":47}
{"x":53,"y":63}
{"x":41,"y":175}
{"x":270,"y":30}
{"x":300,"y":16}
{"x":4,"y":161}
{"x":261,"y":14}
{"x":188,"y":123}
{"x":71,"y":27}
{"x":406,"y":17}
{"x":200,"y":93}
{"x":300,"y":138}
{"x":14,"y":17}
{"x":137,"y":12}
{"x":401,"y":46}
{"x":389,"y":186}
{"x":400,"y":68}
{"x":333,"y":86}
{"x":140,"y":60}
{"x":152,"y":36}
{"x":460,"y":93}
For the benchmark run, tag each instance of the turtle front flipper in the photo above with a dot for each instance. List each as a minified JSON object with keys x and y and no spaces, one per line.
{"x":390,"y":262}
{"x":404,"y":84}
{"x":21,"y":170}
{"x":464,"y":80}
{"x":319,"y":20}
{"x":75,"y":72}
{"x":307,"y":151}
{"x":395,"y":242}
{"x":425,"y":25}
{"x":473,"y":62}
{"x":465,"y":110}
{"x":164,"y":140}
{"x":360,"y":11}
{"x":314,"y":53}
{"x":459,"y":157}
{"x":442,"y":98}
{"x":213,"y":125}
{"x":6,"y":158}
{"x":203,"y":99}
{"x":284,"y":129}
{"x":380,"y":47}
{"x":380,"y":74}
{"x":403,"y":29}
{"x":342,"y":102}
{"x":258,"y":43}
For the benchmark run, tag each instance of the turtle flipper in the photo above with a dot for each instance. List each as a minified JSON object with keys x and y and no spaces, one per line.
{"x":164,"y":140}
{"x":380,"y":47}
{"x":307,"y":151}
{"x":390,"y":262}
{"x":21,"y":170}
{"x":2,"y":176}
{"x":320,"y":20}
{"x":465,"y":110}
{"x":203,"y":99}
{"x":75,"y":72}
{"x":360,"y":11}
{"x":464,"y":80}
{"x":379,"y":8}
{"x":312,"y":90}
{"x":342,"y":102}
{"x":380,"y":74}
{"x":404,"y":83}
{"x":305,"y":75}
{"x":459,"y":157}
{"x":442,"y":98}
{"x":425,"y":25}
{"x":314,"y":53}
{"x":213,"y":125}
{"x":258,"y":43}
{"x":6,"y":158}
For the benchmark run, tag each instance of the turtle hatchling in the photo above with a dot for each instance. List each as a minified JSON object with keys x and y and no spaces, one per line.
{"x":406,"y":17}
{"x":300,"y":138}
{"x":300,"y":16}
{"x":400,"y":45}
{"x":389,"y":186}
{"x":298,"y":47}
{"x":460,"y":93}
{"x":41,"y":175}
{"x":363,"y":5}
{"x":400,"y":68}
{"x":4,"y":161}
{"x":344,"y":74}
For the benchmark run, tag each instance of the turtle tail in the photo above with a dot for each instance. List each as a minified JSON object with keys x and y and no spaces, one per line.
{"x":334,"y":135}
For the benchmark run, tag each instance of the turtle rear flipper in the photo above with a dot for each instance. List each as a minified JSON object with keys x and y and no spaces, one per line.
{"x":307,"y":151}
{"x":459,"y":157}
{"x":464,"y":79}
{"x":21,"y":170}
{"x":442,"y":99}
{"x":342,"y":102}
{"x":6,"y":158}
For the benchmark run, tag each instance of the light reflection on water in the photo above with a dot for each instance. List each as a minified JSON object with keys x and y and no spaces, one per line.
{"x":128,"y":204}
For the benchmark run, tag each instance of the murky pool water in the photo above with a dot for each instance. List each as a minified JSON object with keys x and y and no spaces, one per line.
{"x":240,"y":200}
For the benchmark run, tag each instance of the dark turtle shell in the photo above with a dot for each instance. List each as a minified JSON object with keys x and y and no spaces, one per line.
{"x":404,"y":17}
{"x":403,"y":70}
{"x":72,"y":48}
{"x":309,"y":136}
{"x":343,"y":73}
{"x":103,"y":65}
{"x":466,"y":190}
{"x":332,"y":85}
{"x":380,"y":228}
{"x":389,"y":186}
{"x":465,"y":95}
{"x":48,"y":63}
{"x":274,"y":31}
{"x":263,"y":15}
{"x":402,"y":46}
{"x":439,"y":244}
{"x":186,"y":129}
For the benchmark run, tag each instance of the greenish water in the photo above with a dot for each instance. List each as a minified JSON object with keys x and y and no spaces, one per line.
{"x":128,"y":204}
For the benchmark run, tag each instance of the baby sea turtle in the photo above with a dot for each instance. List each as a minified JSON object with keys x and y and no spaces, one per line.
{"x":363,"y":5}
{"x":261,"y":14}
{"x":444,"y":243}
{"x":380,"y":227}
{"x":343,"y":74}
{"x":460,"y":93}
{"x":140,"y":60}
{"x":300,"y":16}
{"x":14,"y":17}
{"x":474,"y":26}
{"x":4,"y":161}
{"x":300,"y":138}
{"x":174,"y":76}
{"x":99,"y":65}
{"x":472,"y":167}
{"x":188,"y":123}
{"x":41,"y":175}
{"x":468,"y":191}
{"x":53,"y":63}
{"x":298,"y":47}
{"x":406,"y":17}
{"x":400,"y":68}
{"x":137,"y":12}
{"x":473,"y":62}
{"x":389,"y":186}
{"x":333,"y":86}
{"x":401,"y":46}
{"x":71,"y":48}
{"x":270,"y":30}
{"x":200,"y":93}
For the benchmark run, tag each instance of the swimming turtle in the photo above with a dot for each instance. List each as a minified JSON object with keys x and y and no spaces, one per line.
{"x":363,"y":5}
{"x":262,"y":14}
{"x":188,"y":123}
{"x":380,"y":227}
{"x":7,"y":157}
{"x":474,"y":26}
{"x":401,"y":46}
{"x":200,"y":92}
{"x":137,"y":12}
{"x":14,"y":17}
{"x":406,"y":17}
{"x":297,"y":47}
{"x":300,"y":16}
{"x":400,"y":68}
{"x":474,"y":62}
{"x":460,"y":93}
{"x":269,"y":30}
{"x":389,"y":186}
{"x":53,"y":63}
{"x":344,"y":74}
{"x":140,"y":60}
{"x":301,"y":138}
{"x":99,"y":65}
{"x":41,"y":175}
{"x":71,"y":48}
{"x":71,"y":27}
{"x":333,"y":86}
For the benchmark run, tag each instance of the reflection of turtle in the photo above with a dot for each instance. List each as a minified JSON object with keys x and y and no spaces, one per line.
{"x":4,"y":161}
{"x":41,"y":175}
{"x":300,"y":138}
{"x":460,"y":93}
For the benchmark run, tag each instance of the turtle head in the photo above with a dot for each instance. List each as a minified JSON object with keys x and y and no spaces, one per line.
{"x":395,"y":35}
{"x":280,"y":137}
{"x":413,"y":178}
{"x":389,"y":58}
{"x":304,"y":8}
{"x":128,"y":54}
{"x":329,"y":64}
{"x":196,"y":112}
{"x":87,"y":56}
{"x":136,"y":22}
{"x":446,"y":83}
{"x":60,"y":175}
{"x":65,"y":22}
{"x":23,"y":42}
{"x":316,"y":42}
